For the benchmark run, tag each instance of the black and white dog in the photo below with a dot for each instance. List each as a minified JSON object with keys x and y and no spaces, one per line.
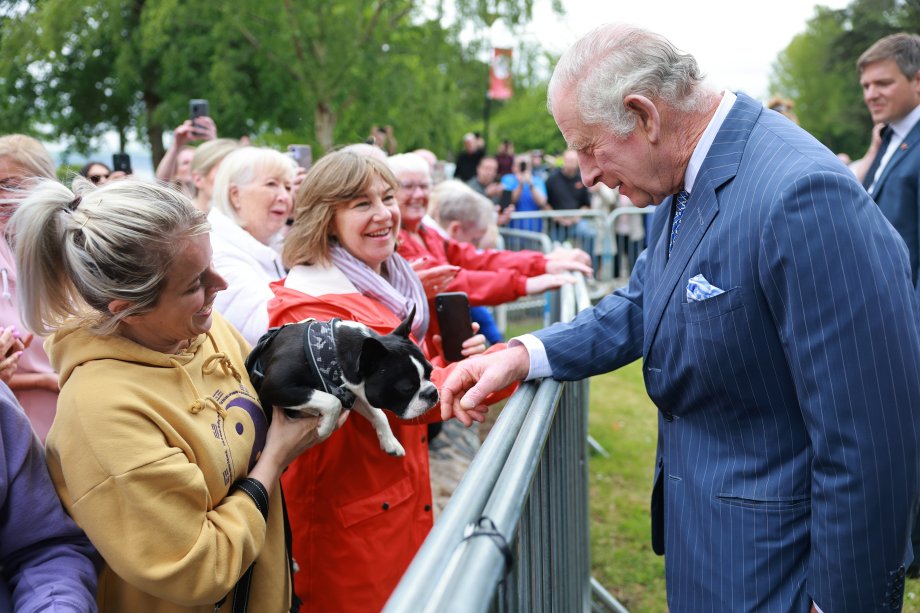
{"x":321,"y":367}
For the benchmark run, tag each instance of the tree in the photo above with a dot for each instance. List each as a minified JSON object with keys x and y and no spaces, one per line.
{"x":317,"y":70}
{"x":818,"y":70}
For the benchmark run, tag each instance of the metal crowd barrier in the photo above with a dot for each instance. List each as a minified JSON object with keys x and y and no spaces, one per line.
{"x":515,"y":534}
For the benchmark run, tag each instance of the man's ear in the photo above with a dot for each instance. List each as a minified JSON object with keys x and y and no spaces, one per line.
{"x":453,"y":229}
{"x":647,"y":118}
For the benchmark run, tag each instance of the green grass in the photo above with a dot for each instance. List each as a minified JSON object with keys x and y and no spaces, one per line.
{"x":624,"y":421}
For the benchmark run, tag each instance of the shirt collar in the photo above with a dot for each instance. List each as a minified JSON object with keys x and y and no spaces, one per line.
{"x":709,"y":136}
{"x":903,"y":126}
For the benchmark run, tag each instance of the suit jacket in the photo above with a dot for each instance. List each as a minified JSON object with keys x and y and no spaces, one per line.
{"x":897,"y":193}
{"x":788,"y":405}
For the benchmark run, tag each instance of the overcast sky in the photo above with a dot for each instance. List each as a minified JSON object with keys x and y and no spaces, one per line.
{"x":734,"y":41}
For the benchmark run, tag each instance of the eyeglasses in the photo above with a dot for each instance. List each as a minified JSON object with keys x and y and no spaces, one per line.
{"x":97,"y":178}
{"x":411,"y":187}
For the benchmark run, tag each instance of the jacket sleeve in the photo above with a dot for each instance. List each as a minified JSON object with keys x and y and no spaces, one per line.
{"x":148,"y":509}
{"x":47,"y":562}
{"x":465,"y":255}
{"x":837,"y":282}
{"x":602,"y":338}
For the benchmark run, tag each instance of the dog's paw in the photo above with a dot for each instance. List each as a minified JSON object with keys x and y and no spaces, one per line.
{"x":392,"y":446}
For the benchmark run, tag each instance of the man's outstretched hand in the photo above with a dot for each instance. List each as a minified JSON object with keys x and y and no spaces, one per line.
{"x":464,"y":392}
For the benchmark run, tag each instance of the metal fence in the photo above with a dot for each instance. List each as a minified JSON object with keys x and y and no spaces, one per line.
{"x":515,"y":534}
{"x":619,"y":238}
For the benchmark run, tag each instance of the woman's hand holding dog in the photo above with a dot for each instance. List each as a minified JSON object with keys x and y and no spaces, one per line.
{"x":287,"y":438}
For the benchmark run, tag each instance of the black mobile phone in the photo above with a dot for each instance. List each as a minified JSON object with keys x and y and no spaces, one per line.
{"x":453,"y":310}
{"x":122,"y":162}
{"x":197,"y":107}
{"x":505,"y":199}
{"x":302,"y":154}
{"x":523,"y":166}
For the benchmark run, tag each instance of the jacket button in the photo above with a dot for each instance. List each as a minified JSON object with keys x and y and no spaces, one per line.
{"x":427,"y":508}
{"x":386,"y":506}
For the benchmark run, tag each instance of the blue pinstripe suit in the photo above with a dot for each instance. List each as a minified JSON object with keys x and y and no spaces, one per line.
{"x":788,"y":405}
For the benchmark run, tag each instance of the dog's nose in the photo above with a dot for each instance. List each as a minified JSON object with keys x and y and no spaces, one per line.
{"x":430,"y":394}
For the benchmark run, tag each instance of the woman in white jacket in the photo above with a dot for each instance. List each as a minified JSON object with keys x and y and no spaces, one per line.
{"x":251,"y":202}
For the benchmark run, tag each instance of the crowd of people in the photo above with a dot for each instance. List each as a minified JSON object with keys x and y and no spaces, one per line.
{"x":780,"y":339}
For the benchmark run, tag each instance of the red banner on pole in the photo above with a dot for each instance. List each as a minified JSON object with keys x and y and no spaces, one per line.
{"x":500,"y":74}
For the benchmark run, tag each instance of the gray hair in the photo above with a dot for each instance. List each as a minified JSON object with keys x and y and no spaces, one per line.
{"x":456,"y":201}
{"x":616,"y":60}
{"x":244,"y":166}
{"x":408,"y":162}
{"x":77,"y":253}
{"x":903,"y":48}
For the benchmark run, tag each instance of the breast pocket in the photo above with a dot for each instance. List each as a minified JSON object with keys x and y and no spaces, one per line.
{"x":717,"y":306}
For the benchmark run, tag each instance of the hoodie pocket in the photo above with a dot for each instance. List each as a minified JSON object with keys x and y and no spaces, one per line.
{"x":376,"y":504}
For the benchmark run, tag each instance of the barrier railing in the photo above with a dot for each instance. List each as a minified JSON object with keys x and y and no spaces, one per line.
{"x":515,"y":534}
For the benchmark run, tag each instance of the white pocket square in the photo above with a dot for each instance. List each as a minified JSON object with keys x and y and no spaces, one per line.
{"x":699,"y":289}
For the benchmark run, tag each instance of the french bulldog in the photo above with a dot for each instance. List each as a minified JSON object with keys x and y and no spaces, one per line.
{"x":320,"y":367}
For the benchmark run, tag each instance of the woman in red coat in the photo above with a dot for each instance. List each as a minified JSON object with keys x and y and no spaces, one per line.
{"x":489,"y":277}
{"x":357,"y":515}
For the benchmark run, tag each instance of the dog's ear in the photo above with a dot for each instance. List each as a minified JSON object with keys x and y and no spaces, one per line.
{"x":372,"y":354}
{"x":405,"y":327}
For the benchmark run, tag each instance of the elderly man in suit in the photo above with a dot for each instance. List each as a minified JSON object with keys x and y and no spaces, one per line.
{"x":889,"y":73}
{"x":778,"y":325}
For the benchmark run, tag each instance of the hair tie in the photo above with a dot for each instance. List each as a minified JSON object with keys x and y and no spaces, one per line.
{"x":75,"y":203}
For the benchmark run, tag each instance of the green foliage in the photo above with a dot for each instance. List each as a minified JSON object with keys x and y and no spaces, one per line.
{"x":313,"y":71}
{"x":818,"y":69}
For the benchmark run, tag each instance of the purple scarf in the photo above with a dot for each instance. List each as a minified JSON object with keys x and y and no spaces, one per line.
{"x":397,"y":291}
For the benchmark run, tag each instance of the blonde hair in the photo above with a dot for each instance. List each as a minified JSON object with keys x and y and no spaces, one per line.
{"x":28,"y":153}
{"x":244,"y":166}
{"x":335,"y":179}
{"x":77,"y":253}
{"x":211,"y":153}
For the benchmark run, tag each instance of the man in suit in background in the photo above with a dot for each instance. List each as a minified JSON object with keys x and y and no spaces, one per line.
{"x":778,"y":325}
{"x":889,"y":73}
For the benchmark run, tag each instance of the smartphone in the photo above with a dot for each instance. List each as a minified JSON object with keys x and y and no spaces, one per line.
{"x":197,"y":107}
{"x":302,"y":154}
{"x":453,"y":311}
{"x":523,"y":166}
{"x":122,"y":162}
{"x":505,"y":199}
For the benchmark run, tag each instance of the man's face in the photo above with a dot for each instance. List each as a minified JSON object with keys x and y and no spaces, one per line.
{"x":632,"y":164}
{"x":486,"y":171}
{"x":888,"y":94}
{"x":569,"y":162}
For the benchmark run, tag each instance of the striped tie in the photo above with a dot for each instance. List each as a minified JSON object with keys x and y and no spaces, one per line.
{"x":681,"y":204}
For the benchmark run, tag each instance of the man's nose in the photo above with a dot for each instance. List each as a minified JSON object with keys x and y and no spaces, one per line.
{"x":589,"y":170}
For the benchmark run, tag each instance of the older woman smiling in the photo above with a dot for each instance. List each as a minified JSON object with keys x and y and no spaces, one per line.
{"x":251,"y":202}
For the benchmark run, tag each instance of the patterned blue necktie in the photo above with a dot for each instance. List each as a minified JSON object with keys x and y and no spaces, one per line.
{"x":681,"y":204}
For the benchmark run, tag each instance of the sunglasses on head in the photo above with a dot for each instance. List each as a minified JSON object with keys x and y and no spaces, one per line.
{"x":97,"y":178}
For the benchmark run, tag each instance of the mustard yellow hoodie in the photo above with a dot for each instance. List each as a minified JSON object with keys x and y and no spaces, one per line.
{"x":143,"y":451}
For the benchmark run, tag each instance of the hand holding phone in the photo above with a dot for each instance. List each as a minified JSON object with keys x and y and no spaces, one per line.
{"x":302,"y":154}
{"x":121,"y":162}
{"x":453,"y":312}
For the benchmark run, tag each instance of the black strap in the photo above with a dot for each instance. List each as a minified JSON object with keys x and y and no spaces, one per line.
{"x":484,"y":526}
{"x":288,"y":544}
{"x":259,"y":495}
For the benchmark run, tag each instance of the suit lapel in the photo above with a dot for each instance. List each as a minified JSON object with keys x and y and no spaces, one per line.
{"x":912,"y":140}
{"x":719,"y":167}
